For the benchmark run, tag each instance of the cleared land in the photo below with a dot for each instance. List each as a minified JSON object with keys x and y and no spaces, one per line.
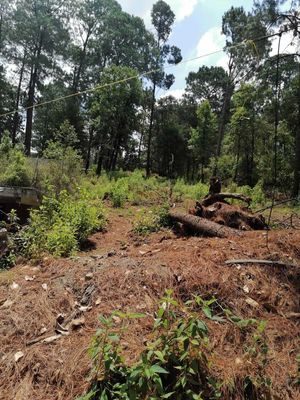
{"x":121,"y":271}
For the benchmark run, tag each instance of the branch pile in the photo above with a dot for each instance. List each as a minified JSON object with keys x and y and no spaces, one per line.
{"x":214,"y":216}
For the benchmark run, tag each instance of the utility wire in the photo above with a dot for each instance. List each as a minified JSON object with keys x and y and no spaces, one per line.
{"x":141,"y":75}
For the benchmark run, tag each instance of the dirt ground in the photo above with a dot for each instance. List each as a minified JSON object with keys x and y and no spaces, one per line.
{"x":120,"y":271}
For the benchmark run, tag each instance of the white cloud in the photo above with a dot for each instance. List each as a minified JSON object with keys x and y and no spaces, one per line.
{"x":182,"y":9}
{"x":223,"y":62}
{"x":177,"y":93}
{"x":210,"y":42}
{"x":289,"y":44}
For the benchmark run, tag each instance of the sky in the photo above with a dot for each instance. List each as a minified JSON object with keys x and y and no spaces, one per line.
{"x":197,"y":31}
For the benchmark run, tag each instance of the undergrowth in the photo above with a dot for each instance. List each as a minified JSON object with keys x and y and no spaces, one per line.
{"x":178,"y":360}
{"x":61,"y":224}
{"x":150,"y":220}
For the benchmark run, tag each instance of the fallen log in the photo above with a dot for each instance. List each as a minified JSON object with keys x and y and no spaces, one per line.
{"x":232,"y":216}
{"x":203,"y":226}
{"x":221,"y":197}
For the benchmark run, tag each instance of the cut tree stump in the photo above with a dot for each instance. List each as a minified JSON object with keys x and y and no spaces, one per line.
{"x":203,"y":226}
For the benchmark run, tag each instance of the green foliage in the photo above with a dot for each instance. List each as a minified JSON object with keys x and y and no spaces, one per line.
{"x":61,"y":170}
{"x":195,"y":192}
{"x":66,"y":135}
{"x":203,"y":137}
{"x":121,"y":187}
{"x":176,"y":362}
{"x":119,"y":192}
{"x":16,"y":173}
{"x":61,"y":224}
{"x":151,"y":220}
{"x":256,"y":193}
{"x":14,"y":246}
{"x":208,"y":83}
{"x":14,"y":170}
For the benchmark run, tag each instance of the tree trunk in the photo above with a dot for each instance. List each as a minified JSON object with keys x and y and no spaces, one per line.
{"x":297,"y":148}
{"x":203,"y":226}
{"x":31,"y":93}
{"x":1,"y":29}
{"x":148,"y":165}
{"x":237,"y":158}
{"x":99,"y":163}
{"x":251,"y":178}
{"x":224,"y":113}
{"x":88,"y":156}
{"x":78,"y":71}
{"x":140,"y":150}
{"x":1,"y":24}
{"x":16,"y":115}
{"x":222,"y":125}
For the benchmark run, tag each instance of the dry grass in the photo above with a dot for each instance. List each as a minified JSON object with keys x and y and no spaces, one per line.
{"x":134,"y":279}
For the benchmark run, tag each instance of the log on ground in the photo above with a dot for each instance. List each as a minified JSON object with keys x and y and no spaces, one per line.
{"x":203,"y":226}
{"x":229,"y":215}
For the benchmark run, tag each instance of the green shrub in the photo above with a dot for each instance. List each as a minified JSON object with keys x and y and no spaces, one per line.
{"x":61,"y":169}
{"x":16,"y":173}
{"x":61,"y":240}
{"x":119,"y":192}
{"x":61,"y":224}
{"x":199,"y":191}
{"x":177,"y":362}
{"x":181,"y":190}
{"x":256,"y":193}
{"x":152,"y":220}
{"x":137,"y":190}
{"x":14,"y":169}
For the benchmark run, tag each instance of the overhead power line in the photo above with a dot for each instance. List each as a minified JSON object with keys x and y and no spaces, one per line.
{"x":141,"y":75}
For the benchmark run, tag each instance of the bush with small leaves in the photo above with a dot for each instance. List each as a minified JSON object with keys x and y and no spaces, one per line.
{"x":61,"y":224}
{"x":177,"y":363}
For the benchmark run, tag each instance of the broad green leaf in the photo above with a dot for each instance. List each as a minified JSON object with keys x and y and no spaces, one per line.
{"x":158,"y":369}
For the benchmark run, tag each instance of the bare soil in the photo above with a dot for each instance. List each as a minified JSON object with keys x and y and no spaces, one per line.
{"x":121,"y":271}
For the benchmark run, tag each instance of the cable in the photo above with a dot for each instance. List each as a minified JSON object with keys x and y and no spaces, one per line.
{"x":138,"y":76}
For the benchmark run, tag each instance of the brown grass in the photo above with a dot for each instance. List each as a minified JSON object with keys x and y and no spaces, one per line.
{"x":133,"y":280}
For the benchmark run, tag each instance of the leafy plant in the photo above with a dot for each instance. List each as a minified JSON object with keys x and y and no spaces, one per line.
{"x":14,"y":170}
{"x":60,"y":225}
{"x":176,"y":363}
{"x":119,"y":192}
{"x":152,"y":220}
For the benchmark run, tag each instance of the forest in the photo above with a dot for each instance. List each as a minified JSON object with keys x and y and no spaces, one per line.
{"x":223,"y":123}
{"x":149,"y":243}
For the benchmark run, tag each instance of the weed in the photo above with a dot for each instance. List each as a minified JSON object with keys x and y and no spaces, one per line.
{"x":119,"y":192}
{"x":152,"y":220}
{"x":60,"y":225}
{"x":176,"y":363}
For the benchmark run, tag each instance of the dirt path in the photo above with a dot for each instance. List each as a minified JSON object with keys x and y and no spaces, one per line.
{"x":126,"y":273}
{"x":117,"y":233}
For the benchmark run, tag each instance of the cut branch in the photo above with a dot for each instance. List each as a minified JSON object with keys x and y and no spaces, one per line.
{"x":264,"y":262}
{"x":220,"y":197}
